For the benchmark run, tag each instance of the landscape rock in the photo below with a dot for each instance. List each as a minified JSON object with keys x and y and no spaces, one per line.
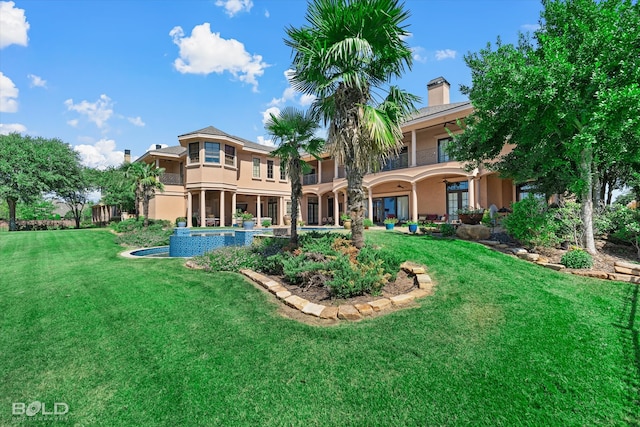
{"x":556,"y":267}
{"x":529,"y":257}
{"x":295,"y":301}
{"x":626,"y":270}
{"x":518,"y":251}
{"x":348,"y":312}
{"x":419,"y":293}
{"x":592,"y":273}
{"x":624,"y":278}
{"x":402,"y":299}
{"x":473,"y":232}
{"x":283,"y":294}
{"x":313,"y":309}
{"x":329,"y":313}
{"x":364,"y":309}
{"x":424,"y":281}
{"x":489,"y":242}
{"x":380,"y":304}
{"x":413,"y":268}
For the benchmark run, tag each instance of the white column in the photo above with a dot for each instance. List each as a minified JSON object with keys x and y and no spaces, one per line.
{"x":346,"y":207}
{"x":413,"y":148}
{"x":189,"y":209}
{"x":222,"y":208}
{"x":319,"y":177}
{"x":472,"y":192}
{"x":203,"y":207}
{"x":370,"y":209}
{"x":414,"y":202}
{"x":281,"y":212}
{"x":258,"y":211}
{"x":336,"y":211}
{"x":335,"y":169}
{"x":233,"y":206}
{"x":157,"y":163}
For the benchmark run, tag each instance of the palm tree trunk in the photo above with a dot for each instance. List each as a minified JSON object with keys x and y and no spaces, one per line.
{"x":296,"y":195}
{"x":355,"y":204}
{"x":145,"y":209}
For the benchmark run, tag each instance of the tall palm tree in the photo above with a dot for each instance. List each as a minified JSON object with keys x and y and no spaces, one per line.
{"x":294,"y":131}
{"x":350,"y":51}
{"x":144,"y":183}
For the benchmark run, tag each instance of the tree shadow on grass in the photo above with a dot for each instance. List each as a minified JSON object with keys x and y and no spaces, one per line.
{"x":630,"y":336}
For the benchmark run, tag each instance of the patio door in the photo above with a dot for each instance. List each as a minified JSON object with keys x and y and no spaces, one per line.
{"x":312,"y":211}
{"x":457,"y":198}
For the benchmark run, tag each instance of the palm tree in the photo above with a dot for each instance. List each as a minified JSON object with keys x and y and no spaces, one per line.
{"x":351,"y":49}
{"x":144,"y":183}
{"x":294,"y":131}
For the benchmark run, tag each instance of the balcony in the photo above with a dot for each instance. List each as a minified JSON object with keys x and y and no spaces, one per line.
{"x":171,"y":179}
{"x":309,"y":179}
{"x":400,"y":162}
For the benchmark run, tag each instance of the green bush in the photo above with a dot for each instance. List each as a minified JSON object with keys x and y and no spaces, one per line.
{"x":532,"y":224}
{"x":447,"y":230}
{"x":230,"y":258}
{"x":353,"y":279}
{"x":577,"y":258}
{"x":144,"y":238}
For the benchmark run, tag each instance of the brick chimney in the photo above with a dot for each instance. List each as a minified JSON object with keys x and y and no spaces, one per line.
{"x":127,"y":156}
{"x":438,"y":91}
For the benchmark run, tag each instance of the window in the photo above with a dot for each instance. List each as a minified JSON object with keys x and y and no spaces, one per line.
{"x":443,"y":156}
{"x":212,"y":152}
{"x":256,"y":167}
{"x":269,"y":169}
{"x":283,"y":172}
{"x":528,"y":189}
{"x":194,"y":152}
{"x":229,"y":155}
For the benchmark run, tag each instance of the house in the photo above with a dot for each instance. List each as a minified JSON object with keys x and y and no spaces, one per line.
{"x":211,"y":174}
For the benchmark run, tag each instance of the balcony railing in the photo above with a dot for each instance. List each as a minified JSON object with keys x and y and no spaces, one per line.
{"x":171,"y":179}
{"x":311,"y":178}
{"x":400,"y":162}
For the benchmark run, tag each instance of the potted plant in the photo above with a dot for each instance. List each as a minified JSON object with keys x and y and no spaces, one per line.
{"x":413,"y":226}
{"x":346,"y":221}
{"x":237,"y":216}
{"x":247,"y":220}
{"x":390,"y":222}
{"x":266,"y":223}
{"x":367,"y":223}
{"x":470,"y":216}
{"x":181,"y":221}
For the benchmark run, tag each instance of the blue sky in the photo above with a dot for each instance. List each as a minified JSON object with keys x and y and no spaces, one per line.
{"x":110,"y":75}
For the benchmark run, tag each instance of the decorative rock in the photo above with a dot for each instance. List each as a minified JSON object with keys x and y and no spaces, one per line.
{"x":626,"y":264}
{"x":329,"y":313}
{"x":348,"y":312}
{"x":380,"y":304}
{"x":424,"y":281}
{"x":419,"y":293}
{"x":402,"y":299}
{"x":502,"y":246}
{"x":556,"y":267}
{"x":364,"y":309}
{"x":276,"y":289}
{"x":592,"y":273}
{"x":518,"y":251}
{"x":624,"y":278}
{"x":271,"y":284}
{"x":473,"y":232}
{"x":413,"y":268}
{"x":489,"y":242}
{"x":543,"y":260}
{"x":313,"y":309}
{"x":626,"y":270}
{"x":283,"y":294}
{"x":529,"y":257}
{"x":296,"y":302}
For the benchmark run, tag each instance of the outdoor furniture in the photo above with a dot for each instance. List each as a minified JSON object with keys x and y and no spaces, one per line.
{"x":212,"y":222}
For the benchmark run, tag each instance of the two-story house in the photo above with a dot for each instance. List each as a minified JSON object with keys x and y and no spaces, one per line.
{"x":211,"y":174}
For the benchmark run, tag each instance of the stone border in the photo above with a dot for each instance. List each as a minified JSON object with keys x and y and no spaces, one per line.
{"x":348,"y":311}
{"x":625,"y":271}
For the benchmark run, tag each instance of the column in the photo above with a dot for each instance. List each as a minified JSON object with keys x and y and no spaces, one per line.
{"x":335,"y":169}
{"x":413,"y":148}
{"x":258,"y":210}
{"x":472,"y":192}
{"x":414,"y":202}
{"x":203,"y":207}
{"x":281,"y":211}
{"x":320,"y":209}
{"x":233,"y":206}
{"x":370,"y":209}
{"x":319,"y":177}
{"x":336,"y":212}
{"x":157,"y":163}
{"x":222,"y":219}
{"x":346,"y":197}
{"x":189,"y":209}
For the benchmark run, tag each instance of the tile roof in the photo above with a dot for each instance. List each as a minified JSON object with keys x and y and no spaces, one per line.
{"x":213,"y":131}
{"x":176,"y":149}
{"x":437,"y":109}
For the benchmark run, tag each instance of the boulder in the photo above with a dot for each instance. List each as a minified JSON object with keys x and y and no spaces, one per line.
{"x":473,"y":232}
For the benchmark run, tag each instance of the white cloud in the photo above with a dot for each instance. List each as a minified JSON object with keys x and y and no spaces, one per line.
{"x":13,"y":25}
{"x":97,"y":112}
{"x":288,"y":95}
{"x":232,"y":7}
{"x":267,"y":142}
{"x":37,"y":81}
{"x":153,"y":146}
{"x":205,"y":52}
{"x":266,"y":13}
{"x":445,"y":54}
{"x":100,"y":155}
{"x":136,"y":121}
{"x":530,"y":27}
{"x":73,"y":123}
{"x":306,"y":99}
{"x":418,"y":54}
{"x":266,"y":115}
{"x":6,"y":129}
{"x":8,"y":95}
{"x":291,"y":95}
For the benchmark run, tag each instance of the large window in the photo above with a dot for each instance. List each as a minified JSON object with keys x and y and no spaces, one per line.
{"x":256,"y":167}
{"x":269,"y":169}
{"x":443,"y":156}
{"x":528,"y":189}
{"x":283,"y":172}
{"x":229,"y":155}
{"x":194,"y":152}
{"x":457,"y":198}
{"x":212,"y":152}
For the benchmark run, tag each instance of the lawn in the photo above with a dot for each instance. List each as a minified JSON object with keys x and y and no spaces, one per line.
{"x":148,"y":342}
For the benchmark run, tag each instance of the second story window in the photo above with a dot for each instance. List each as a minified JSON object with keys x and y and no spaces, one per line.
{"x":269,"y":169}
{"x":229,"y":155}
{"x":256,"y":167}
{"x":212,"y":152}
{"x":283,"y":172}
{"x":194,"y":152}
{"x":443,"y":156}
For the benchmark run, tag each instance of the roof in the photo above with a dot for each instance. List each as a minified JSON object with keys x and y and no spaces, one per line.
{"x":425,"y":112}
{"x":176,"y":149}
{"x":213,"y":131}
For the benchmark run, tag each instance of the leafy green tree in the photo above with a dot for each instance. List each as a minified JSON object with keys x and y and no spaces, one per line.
{"x":294,"y":131}
{"x":30,"y":166}
{"x":568,"y":103}
{"x":115,"y":188}
{"x":36,"y":209}
{"x":348,"y":54}
{"x":144,"y":182}
{"x":75,"y":192}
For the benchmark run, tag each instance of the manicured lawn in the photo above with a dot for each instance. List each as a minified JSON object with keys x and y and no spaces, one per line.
{"x":148,"y":342}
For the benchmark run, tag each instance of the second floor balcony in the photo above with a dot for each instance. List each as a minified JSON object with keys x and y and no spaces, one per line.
{"x":168,"y":178}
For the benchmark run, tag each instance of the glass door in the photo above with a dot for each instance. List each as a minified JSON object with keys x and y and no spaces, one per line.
{"x":457,"y":198}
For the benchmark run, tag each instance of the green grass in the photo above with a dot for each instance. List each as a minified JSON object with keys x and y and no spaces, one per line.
{"x":148,"y":342}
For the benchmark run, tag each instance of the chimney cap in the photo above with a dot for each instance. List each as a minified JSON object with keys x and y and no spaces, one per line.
{"x":127,"y":151}
{"x":438,"y":81}
{"x":158,"y":146}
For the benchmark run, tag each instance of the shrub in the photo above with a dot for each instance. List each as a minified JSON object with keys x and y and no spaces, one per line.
{"x":531,"y":223}
{"x":447,"y":230}
{"x":144,"y":238}
{"x":266,"y":223}
{"x":231,"y":258}
{"x":577,"y":258}
{"x":351,"y":279}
